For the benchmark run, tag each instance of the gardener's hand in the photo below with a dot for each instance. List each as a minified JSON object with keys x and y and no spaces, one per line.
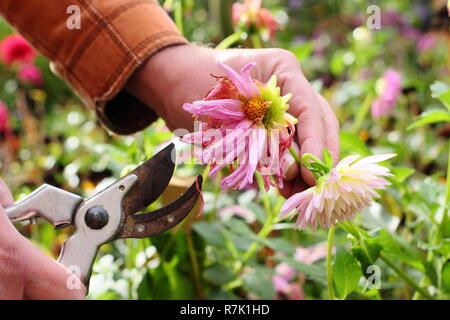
{"x":25,"y":272}
{"x":181,"y":74}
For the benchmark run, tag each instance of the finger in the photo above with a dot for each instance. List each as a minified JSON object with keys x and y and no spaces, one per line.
{"x":305,"y":106}
{"x":332,"y":128}
{"x":292,"y":187}
{"x":46,"y":279}
{"x":6,"y":198}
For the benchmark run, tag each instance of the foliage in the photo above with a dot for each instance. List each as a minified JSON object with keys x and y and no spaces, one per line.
{"x":221,"y":256}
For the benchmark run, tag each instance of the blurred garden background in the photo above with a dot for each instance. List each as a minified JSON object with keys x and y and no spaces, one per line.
{"x":390,"y":89}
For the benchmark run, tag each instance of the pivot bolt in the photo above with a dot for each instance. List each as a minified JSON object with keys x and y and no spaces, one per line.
{"x":96,"y":217}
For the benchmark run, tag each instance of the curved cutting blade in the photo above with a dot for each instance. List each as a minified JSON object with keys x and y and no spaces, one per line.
{"x":144,"y":225}
{"x":153,"y":177}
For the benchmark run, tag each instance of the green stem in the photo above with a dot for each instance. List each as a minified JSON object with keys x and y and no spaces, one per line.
{"x":329,"y":263}
{"x":230,"y":40}
{"x":405,"y":277}
{"x":446,"y":208}
{"x":256,"y":41}
{"x":178,"y":15}
{"x":266,"y":228}
{"x":295,"y":155}
{"x":309,"y":156}
{"x":194,"y":263}
{"x":362,"y":114}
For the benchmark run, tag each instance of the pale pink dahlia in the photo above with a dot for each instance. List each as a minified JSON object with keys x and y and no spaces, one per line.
{"x":390,"y":89}
{"x":340,"y":193}
{"x":244,"y":125}
{"x":251,"y":14}
{"x":15,"y":49}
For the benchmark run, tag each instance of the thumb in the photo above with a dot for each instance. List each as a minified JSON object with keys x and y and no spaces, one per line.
{"x":46,"y":279}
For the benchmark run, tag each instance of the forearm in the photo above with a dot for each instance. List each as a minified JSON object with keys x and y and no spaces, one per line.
{"x":114,"y":39}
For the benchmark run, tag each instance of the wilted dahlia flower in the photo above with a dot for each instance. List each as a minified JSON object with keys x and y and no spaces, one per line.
{"x":15,"y":49}
{"x":244,"y":125}
{"x":340,"y":193}
{"x":251,"y":15}
{"x":391,"y":87}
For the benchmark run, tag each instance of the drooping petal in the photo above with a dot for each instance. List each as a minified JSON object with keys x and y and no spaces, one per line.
{"x":243,"y":83}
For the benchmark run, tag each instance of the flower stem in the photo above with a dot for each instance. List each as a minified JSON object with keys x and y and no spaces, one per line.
{"x":295,"y":155}
{"x":446,"y":208}
{"x":329,"y":263}
{"x":362,"y":114}
{"x":194,"y":263}
{"x":230,"y":40}
{"x":256,"y":41}
{"x":178,"y":13}
{"x":266,"y":228}
{"x":405,"y":277}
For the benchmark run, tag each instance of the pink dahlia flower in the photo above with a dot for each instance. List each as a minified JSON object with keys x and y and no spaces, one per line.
{"x":284,"y":281}
{"x":15,"y":49}
{"x":391,"y":88}
{"x":250,"y":14}
{"x":340,"y":194}
{"x":426,"y":42}
{"x":30,"y":73}
{"x":244,"y":125}
{"x":5,"y":128}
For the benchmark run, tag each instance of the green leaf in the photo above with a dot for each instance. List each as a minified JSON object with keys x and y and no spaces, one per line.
{"x":431,"y":271}
{"x":337,"y":63}
{"x":352,"y":144}
{"x":446,"y":277}
{"x":399,"y":250}
{"x":444,"y":249}
{"x":367,"y":256}
{"x":441,"y":91}
{"x":311,"y":271}
{"x":211,"y":232}
{"x":327,"y":159}
{"x":429,"y":117}
{"x":259,"y":283}
{"x":401,"y":174}
{"x":303,"y":51}
{"x":277,"y":244}
{"x":346,"y":273}
{"x":218,"y":274}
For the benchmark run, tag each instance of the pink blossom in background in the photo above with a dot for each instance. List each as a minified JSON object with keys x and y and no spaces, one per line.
{"x":15,"y":49}
{"x":391,"y":88}
{"x":339,"y":195}
{"x":30,"y":73}
{"x":239,"y":211}
{"x":5,"y":127}
{"x":251,"y":13}
{"x":426,"y":42}
{"x":245,"y":126}
{"x":311,"y":254}
{"x":288,"y":282}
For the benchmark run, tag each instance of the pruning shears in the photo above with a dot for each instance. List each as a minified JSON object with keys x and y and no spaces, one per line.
{"x":111,"y":214}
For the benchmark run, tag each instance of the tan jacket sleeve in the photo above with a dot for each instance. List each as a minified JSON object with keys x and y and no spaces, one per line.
{"x":114,"y":38}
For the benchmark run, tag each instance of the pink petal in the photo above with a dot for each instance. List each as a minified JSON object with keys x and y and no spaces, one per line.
{"x":241,"y":82}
